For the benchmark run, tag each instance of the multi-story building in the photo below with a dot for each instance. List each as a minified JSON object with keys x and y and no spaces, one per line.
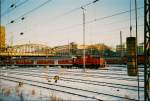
{"x":2,"y":38}
{"x":120,"y":50}
{"x":69,"y":49}
{"x":141,"y":49}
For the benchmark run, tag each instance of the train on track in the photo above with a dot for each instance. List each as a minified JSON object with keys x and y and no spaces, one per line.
{"x":67,"y":61}
{"x":63,"y":61}
{"x":123,"y":60}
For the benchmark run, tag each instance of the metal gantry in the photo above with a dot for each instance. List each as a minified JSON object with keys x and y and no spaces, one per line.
{"x":147,"y":50}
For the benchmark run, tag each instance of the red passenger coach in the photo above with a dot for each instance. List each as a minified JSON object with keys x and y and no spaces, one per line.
{"x":65,"y":62}
{"x":24,"y":62}
{"x":45,"y":62}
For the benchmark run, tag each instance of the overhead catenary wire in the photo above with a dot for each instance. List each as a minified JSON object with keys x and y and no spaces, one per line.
{"x":14,"y":6}
{"x":12,"y":21}
{"x":78,"y":25}
{"x":71,"y":11}
{"x":32,"y":10}
{"x":61,"y":15}
{"x":121,"y":28}
{"x":116,"y":29}
{"x":106,"y":17}
{"x":22,"y":17}
{"x":109,"y":16}
{"x":97,"y":19}
{"x":75,"y":9}
{"x":126,"y":27}
{"x":112,"y":32}
{"x":91,"y":21}
{"x":102,"y":18}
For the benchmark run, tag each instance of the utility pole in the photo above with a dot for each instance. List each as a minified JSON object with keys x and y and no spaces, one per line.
{"x":121,"y":47}
{"x":130,"y":20}
{"x":83,"y":10}
{"x":121,"y":43}
{"x":136,"y":63}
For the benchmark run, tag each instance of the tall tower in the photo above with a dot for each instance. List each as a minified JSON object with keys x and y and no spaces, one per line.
{"x":2,"y":38}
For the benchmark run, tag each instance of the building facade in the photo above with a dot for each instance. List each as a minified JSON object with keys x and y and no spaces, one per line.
{"x":2,"y":38}
{"x":121,"y":50}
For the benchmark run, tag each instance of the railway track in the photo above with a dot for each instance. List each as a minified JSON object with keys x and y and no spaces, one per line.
{"x":96,"y":76}
{"x":118,"y":74}
{"x":67,"y":88}
{"x":96,"y":71}
{"x":50,"y":88}
{"x":92,"y":82}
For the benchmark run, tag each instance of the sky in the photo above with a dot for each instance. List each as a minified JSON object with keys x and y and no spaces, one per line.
{"x":52,"y":25}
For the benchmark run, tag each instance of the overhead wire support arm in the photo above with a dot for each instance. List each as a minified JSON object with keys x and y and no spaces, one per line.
{"x":95,"y":1}
{"x":89,"y":3}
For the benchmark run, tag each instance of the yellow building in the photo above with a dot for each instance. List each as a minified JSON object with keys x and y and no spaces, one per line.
{"x":2,"y":37}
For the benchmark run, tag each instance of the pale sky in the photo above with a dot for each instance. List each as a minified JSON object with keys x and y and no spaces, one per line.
{"x":51,"y":25}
